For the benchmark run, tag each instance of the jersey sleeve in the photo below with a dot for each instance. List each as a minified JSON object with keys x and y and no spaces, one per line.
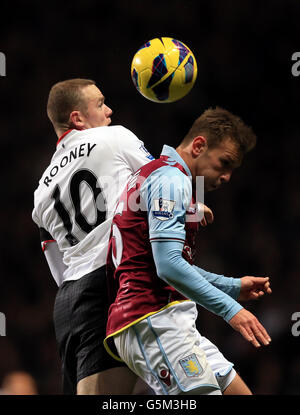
{"x":53,"y":255}
{"x":228,"y":285}
{"x":176,"y":271}
{"x":132,"y":150}
{"x":166,"y":194}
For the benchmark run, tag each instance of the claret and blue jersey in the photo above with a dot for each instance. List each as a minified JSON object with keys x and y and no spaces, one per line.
{"x":152,"y":209}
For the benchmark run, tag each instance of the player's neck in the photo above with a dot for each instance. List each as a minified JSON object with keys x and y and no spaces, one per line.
{"x":186,"y":157}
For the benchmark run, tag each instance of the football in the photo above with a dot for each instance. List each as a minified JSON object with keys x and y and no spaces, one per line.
{"x":164,"y":70}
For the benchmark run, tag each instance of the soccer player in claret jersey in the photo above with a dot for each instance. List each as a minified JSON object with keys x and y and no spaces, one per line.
{"x":73,"y":208}
{"x":154,"y":286}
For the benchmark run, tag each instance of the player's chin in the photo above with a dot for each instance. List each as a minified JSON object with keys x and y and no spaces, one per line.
{"x":108,"y":121}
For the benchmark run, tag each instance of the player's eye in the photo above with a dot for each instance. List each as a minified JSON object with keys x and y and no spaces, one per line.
{"x":225,"y":163}
{"x":101,"y":102}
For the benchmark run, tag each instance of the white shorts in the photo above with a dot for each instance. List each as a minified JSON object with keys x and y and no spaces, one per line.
{"x":169,"y":354}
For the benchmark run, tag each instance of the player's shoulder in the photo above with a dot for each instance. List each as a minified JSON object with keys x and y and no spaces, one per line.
{"x":167,"y":176}
{"x":168,"y":171}
{"x":111,"y":130}
{"x":123,"y":133}
{"x":114,"y":135}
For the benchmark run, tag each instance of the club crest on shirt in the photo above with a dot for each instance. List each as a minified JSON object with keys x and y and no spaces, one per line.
{"x":163,"y":209}
{"x":191,"y":366}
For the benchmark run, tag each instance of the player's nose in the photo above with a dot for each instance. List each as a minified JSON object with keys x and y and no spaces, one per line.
{"x":108,"y":111}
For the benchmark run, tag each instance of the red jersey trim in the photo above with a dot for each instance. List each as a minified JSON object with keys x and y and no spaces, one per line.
{"x":110,"y":352}
{"x":176,"y":164}
{"x":44,"y":243}
{"x":63,"y":136}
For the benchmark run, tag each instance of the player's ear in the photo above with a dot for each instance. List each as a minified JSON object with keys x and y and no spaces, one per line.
{"x":199,"y":145}
{"x":76,"y":120}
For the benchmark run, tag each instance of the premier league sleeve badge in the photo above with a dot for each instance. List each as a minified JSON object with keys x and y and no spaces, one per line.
{"x":163,"y":209}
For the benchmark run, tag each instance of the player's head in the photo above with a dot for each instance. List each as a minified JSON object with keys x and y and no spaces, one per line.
{"x":77,"y":103}
{"x":215,"y":146}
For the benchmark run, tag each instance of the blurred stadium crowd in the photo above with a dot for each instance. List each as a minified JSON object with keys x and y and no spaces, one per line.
{"x":245,"y":66}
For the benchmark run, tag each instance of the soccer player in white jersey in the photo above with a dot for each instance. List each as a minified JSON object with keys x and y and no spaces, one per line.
{"x":151,"y":276}
{"x":73,"y":208}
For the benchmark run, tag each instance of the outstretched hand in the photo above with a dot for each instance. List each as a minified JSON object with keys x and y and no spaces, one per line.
{"x":250,"y":328}
{"x":254,"y":287}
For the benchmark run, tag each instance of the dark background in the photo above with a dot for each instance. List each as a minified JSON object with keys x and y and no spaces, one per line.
{"x":243,"y":50}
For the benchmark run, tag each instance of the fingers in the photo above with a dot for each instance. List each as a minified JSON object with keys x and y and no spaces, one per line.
{"x":264,"y":290}
{"x":206,"y":220}
{"x":249,"y":337}
{"x":208,"y":216}
{"x":262,"y":285}
{"x":261,"y":334}
{"x":267,"y":288}
{"x":260,"y":280}
{"x":250,"y":328}
{"x":256,"y":335}
{"x":257,"y":294}
{"x":203,"y":222}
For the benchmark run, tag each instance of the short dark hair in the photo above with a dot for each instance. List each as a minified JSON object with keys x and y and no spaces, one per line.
{"x":65,"y":97}
{"x":218,"y":124}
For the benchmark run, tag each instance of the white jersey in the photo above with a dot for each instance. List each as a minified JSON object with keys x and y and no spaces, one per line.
{"x":78,"y":192}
